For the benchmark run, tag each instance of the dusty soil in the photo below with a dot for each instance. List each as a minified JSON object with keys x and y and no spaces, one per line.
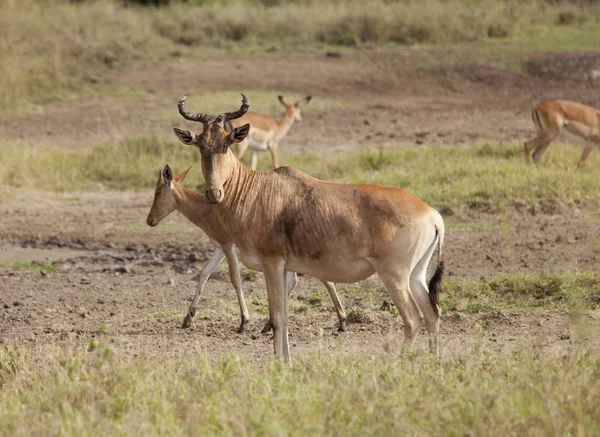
{"x":139,"y":281}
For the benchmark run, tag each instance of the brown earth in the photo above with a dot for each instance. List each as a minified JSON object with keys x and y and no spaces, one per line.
{"x":139,"y":281}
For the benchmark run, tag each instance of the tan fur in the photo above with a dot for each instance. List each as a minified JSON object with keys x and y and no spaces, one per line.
{"x":288,"y":221}
{"x":197,"y":209}
{"x":557,"y":115}
{"x":267,"y":131}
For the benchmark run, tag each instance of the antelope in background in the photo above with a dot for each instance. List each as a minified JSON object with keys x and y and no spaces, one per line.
{"x":265,"y":132}
{"x":169,"y":196}
{"x":285,"y":220}
{"x":555,"y":116}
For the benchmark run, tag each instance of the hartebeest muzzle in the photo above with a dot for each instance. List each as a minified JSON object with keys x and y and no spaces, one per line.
{"x":214,"y":195}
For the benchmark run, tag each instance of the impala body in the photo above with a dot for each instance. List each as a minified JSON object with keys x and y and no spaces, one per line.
{"x":266,"y":132}
{"x":288,"y":221}
{"x":555,"y":116}
{"x":169,"y":196}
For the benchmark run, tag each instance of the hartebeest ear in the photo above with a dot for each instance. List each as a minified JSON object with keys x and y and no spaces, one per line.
{"x":181,"y":176}
{"x":167,"y":175}
{"x":283,"y":101}
{"x":239,"y":133}
{"x":186,"y":137}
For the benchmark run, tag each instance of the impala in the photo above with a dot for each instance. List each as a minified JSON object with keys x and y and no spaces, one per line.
{"x":285,"y":220}
{"x":169,"y":196}
{"x":266,"y":132}
{"x":555,"y":116}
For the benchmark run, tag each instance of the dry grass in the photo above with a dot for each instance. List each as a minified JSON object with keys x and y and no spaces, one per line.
{"x":49,"y":49}
{"x":98,"y":389}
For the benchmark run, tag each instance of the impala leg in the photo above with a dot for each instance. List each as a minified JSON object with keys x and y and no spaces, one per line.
{"x":339,"y":309}
{"x":278,"y":306}
{"x":397,"y":284}
{"x":274,"y":155}
{"x":253,"y":160}
{"x":589,"y":145}
{"x":205,"y":273}
{"x":242,"y":146}
{"x":236,"y":280}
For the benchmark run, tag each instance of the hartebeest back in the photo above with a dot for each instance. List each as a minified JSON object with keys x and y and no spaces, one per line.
{"x":289,"y":221}
{"x":265,"y":132}
{"x":554,"y":116}
{"x":169,"y":196}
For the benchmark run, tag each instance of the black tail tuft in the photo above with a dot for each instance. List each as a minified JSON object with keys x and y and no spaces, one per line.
{"x":435,"y":287}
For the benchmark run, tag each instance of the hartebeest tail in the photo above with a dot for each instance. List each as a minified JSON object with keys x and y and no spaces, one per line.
{"x":435,"y":283}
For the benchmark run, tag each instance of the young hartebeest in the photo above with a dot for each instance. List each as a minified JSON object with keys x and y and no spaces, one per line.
{"x":555,"y":116}
{"x":169,"y":196}
{"x":285,"y":220}
{"x":266,"y":132}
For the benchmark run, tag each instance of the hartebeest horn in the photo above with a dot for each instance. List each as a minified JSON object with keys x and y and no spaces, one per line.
{"x":202,"y":118}
{"x":226,"y":116}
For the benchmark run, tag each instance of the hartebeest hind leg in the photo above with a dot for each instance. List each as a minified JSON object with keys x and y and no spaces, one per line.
{"x":218,"y":256}
{"x":397,"y":283}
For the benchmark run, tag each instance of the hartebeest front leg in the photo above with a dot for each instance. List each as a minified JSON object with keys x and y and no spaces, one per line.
{"x":274,"y":271}
{"x":291,"y":279}
{"x":218,"y":256}
{"x":236,"y":280}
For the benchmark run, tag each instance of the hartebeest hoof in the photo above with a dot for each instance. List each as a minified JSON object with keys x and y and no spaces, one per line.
{"x":342,"y":327}
{"x":267,"y":328}
{"x":242,"y":327}
{"x":187,"y":322}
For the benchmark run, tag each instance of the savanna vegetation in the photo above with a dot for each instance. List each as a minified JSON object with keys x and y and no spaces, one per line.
{"x":50,"y":48}
{"x":84,"y":390}
{"x":487,"y":177}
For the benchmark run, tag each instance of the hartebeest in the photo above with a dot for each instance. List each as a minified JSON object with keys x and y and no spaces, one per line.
{"x":266,"y":132}
{"x":555,"y":116}
{"x":285,"y":220}
{"x":169,"y":196}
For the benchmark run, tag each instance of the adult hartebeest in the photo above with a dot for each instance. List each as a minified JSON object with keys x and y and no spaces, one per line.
{"x":554,"y":116}
{"x":285,"y":220}
{"x":266,"y":132}
{"x":169,"y":196}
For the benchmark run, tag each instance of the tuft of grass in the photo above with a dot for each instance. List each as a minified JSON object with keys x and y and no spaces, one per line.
{"x":517,"y":294}
{"x":31,"y":266}
{"x":73,"y":390}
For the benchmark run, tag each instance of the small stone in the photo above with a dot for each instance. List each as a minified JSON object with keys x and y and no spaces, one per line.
{"x":171,"y":282}
{"x":193,"y":257}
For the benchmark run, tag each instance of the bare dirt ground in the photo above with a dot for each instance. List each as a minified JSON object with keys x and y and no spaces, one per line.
{"x":139,"y":281}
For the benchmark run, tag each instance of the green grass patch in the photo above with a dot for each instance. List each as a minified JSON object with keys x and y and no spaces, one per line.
{"x":518,"y":294}
{"x":31,"y":266}
{"x":489,"y":178}
{"x":75,"y":390}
